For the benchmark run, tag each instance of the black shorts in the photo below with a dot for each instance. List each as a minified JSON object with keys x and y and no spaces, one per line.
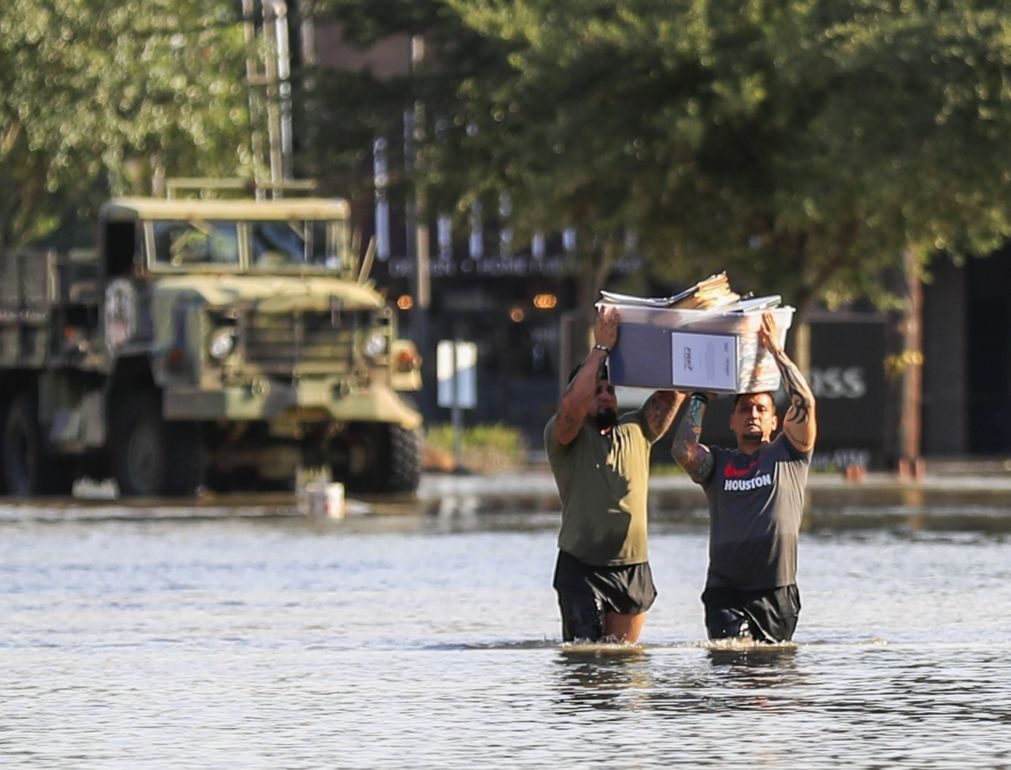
{"x":586,"y":592}
{"x":765,"y":616}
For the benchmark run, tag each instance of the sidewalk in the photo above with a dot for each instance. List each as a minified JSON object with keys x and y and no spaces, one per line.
{"x":986,"y":481}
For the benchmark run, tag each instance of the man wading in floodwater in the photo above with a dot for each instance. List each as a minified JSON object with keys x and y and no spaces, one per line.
{"x":756,"y":500}
{"x":601,"y":467}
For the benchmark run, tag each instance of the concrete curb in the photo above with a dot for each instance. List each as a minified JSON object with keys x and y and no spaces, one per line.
{"x":540,"y":482}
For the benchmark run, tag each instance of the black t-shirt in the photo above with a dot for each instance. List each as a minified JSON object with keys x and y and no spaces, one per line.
{"x":755,"y":507}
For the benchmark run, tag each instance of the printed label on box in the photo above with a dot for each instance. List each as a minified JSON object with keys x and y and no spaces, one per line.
{"x":705,"y":361}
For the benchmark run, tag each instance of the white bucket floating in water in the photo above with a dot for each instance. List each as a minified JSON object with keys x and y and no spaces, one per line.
{"x":324,"y":499}
{"x":334,"y":504}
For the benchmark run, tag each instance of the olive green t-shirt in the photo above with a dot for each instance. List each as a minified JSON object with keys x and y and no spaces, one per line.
{"x":603,"y":482}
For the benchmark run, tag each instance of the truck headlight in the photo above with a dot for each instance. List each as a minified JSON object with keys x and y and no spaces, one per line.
{"x":222,"y":344}
{"x":375,"y":345}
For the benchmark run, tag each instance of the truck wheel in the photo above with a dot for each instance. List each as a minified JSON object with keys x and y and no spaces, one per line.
{"x":3,"y":450}
{"x":403,"y":457}
{"x":383,"y":459}
{"x":28,"y":466}
{"x":152,"y":457}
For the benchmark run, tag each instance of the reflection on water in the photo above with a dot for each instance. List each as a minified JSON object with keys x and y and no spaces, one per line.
{"x":602,"y":676}
{"x":759,"y":677}
{"x":759,"y":660}
{"x":634,"y":678}
{"x":433,"y":642}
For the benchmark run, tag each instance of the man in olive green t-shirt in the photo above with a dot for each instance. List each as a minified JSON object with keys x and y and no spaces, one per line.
{"x":601,"y":467}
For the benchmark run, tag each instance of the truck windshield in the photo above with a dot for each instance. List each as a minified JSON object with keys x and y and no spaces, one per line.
{"x":293,"y":243}
{"x":274,"y":245}
{"x":196,"y":242}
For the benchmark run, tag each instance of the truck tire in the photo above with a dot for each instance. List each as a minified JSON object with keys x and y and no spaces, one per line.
{"x":403,"y":459}
{"x":29,"y":467}
{"x":3,"y":452}
{"x":152,"y":457}
{"x":385,"y":459}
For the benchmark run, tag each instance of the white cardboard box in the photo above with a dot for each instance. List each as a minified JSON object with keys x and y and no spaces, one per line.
{"x":694,"y":350}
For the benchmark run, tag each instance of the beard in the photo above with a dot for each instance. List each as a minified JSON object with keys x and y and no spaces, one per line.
{"x":606,"y":418}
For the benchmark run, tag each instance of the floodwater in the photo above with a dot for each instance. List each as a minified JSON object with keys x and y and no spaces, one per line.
{"x":192,"y":640}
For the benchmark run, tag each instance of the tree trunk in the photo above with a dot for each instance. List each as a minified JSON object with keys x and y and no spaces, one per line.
{"x":599,"y":259}
{"x":577,"y":326}
{"x":798,"y":340}
{"x":904,"y":373}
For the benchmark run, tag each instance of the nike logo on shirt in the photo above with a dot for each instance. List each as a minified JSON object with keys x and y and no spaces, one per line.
{"x":730,"y":472}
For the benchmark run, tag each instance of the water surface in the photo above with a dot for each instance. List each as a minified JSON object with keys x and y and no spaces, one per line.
{"x":433,"y":641}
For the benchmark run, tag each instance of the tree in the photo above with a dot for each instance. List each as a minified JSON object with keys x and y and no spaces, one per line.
{"x":99,"y":95}
{"x":806,"y":147}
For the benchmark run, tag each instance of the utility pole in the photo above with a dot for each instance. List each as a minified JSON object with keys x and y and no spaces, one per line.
{"x":416,"y":215}
{"x":414,"y":133}
{"x":268,"y":80}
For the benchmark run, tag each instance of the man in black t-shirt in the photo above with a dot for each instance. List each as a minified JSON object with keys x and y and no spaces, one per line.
{"x":756,"y":500}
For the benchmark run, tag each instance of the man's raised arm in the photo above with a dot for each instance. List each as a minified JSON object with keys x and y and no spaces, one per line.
{"x":799,"y":424}
{"x":660,"y":410}
{"x":695,"y":458}
{"x":579,"y":394}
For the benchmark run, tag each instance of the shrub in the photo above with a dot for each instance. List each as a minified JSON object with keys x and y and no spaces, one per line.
{"x":483,"y":448}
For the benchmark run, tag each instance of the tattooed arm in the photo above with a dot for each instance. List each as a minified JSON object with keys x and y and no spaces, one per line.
{"x":660,"y":409}
{"x":579,"y":395}
{"x":694,"y":457}
{"x":799,"y":424}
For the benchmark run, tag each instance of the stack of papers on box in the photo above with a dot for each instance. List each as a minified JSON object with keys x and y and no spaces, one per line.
{"x":707,"y":294}
{"x":703,"y":338}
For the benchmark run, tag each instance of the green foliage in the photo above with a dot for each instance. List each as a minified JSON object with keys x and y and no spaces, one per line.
{"x":484,"y":448}
{"x":803,"y":146}
{"x":96,"y":92}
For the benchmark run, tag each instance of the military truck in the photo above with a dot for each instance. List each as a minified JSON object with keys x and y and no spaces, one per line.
{"x":217,"y":342}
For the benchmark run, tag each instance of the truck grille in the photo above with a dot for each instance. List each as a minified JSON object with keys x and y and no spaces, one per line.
{"x":282,"y":343}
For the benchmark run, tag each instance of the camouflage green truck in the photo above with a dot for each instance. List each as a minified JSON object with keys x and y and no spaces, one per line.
{"x":219,"y":342}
